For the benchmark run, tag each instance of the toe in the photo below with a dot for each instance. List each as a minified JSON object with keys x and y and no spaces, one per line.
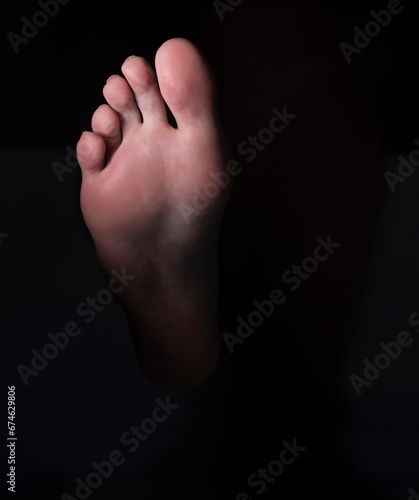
{"x":141,"y":79}
{"x":186,"y":83}
{"x":105,"y":122}
{"x":119,"y":96}
{"x":91,"y":151}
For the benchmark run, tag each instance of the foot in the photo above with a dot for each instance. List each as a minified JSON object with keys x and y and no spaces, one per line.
{"x":140,"y":177}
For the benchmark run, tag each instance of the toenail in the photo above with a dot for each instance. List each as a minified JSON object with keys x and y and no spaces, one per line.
{"x":110,"y":78}
{"x":130,"y":57}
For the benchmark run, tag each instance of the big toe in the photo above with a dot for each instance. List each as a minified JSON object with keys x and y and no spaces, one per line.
{"x":186,"y":83}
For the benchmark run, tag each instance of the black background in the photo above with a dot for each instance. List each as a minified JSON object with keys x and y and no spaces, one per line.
{"x":322,"y":176}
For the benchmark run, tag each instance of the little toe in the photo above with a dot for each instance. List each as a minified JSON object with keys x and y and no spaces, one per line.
{"x":91,"y":150}
{"x":105,"y":122}
{"x":187,"y":84}
{"x":141,"y":79}
{"x":120,"y":97}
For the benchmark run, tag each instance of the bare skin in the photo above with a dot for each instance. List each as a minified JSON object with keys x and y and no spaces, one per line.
{"x":138,"y":171}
